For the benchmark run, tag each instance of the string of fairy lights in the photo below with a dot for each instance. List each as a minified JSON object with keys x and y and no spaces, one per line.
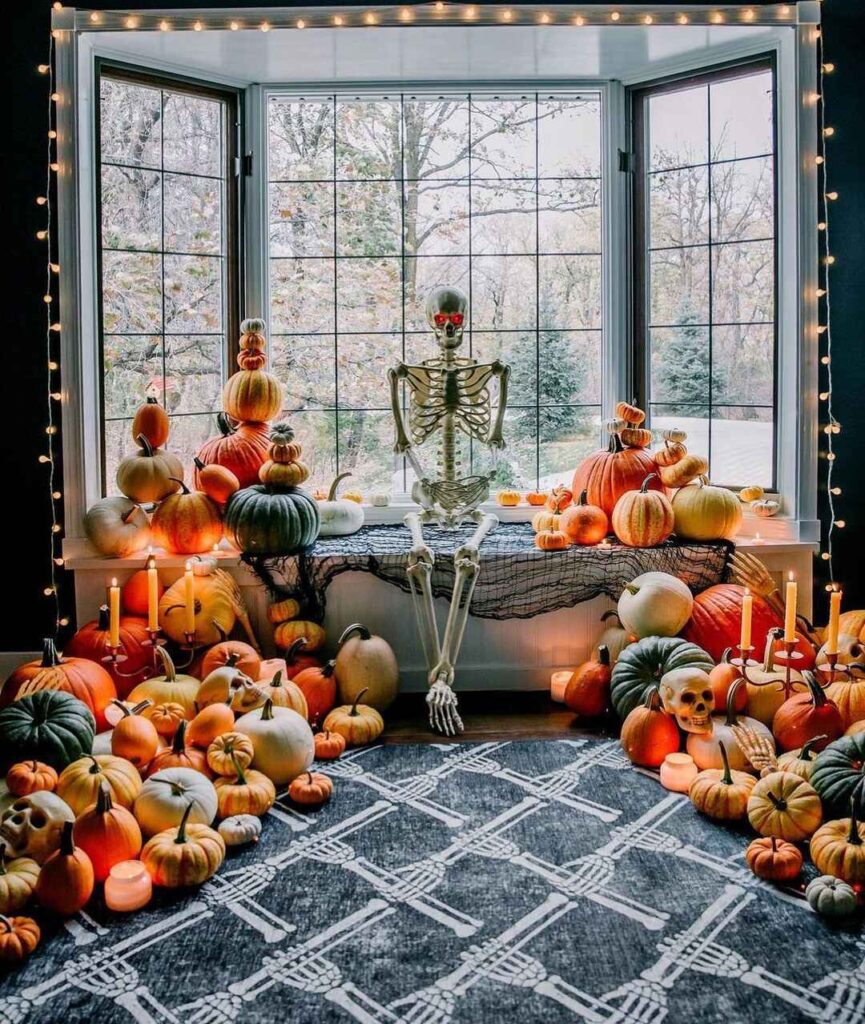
{"x":442,"y":13}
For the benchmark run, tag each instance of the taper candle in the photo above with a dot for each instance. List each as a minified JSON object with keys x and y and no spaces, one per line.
{"x":792,"y":600}
{"x":152,"y":596}
{"x":190,"y":599}
{"x":747,"y":609}
{"x":834,"y":619}
{"x":114,"y":614}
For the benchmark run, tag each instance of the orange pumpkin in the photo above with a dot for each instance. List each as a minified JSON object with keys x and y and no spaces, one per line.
{"x":66,"y":880}
{"x":636,"y":437}
{"x":551,"y":540}
{"x":649,"y":733}
{"x":229,"y":750}
{"x":298,"y":657}
{"x":318,"y":685}
{"x":251,"y":359}
{"x":217,"y":482}
{"x":508,"y":498}
{"x":107,"y":833}
{"x":284,"y":693}
{"x":643,"y":518}
{"x":234,"y":654}
{"x":134,"y":737}
{"x":92,"y":642}
{"x":134,"y":594}
{"x":28,"y":777}
{"x":241,"y":449}
{"x":805,"y":716}
{"x":671,"y":453}
{"x":151,"y":421}
{"x":630,"y":413}
{"x":286,"y":633}
{"x":212,"y":721}
{"x":247,"y":792}
{"x":584,"y":524}
{"x":588,"y":689}
{"x":613,"y":471}
{"x":312,"y":789}
{"x":252,"y":395}
{"x":537,"y":498}
{"x":774,"y":860}
{"x":722,"y":677}
{"x":19,"y":936}
{"x":180,"y":755}
{"x":187,"y":522}
{"x":328,"y":745}
{"x":560,"y":498}
{"x":166,"y":717}
{"x":83,"y":678}
{"x":282,"y":611}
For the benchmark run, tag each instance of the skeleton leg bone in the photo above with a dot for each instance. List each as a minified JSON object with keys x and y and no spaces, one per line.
{"x":419,"y":572}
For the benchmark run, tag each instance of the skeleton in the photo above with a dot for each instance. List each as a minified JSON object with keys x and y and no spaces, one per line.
{"x":449,"y":396}
{"x":31,"y":826}
{"x":687,"y":694}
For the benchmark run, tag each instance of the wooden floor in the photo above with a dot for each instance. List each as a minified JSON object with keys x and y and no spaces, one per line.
{"x":491,"y":715}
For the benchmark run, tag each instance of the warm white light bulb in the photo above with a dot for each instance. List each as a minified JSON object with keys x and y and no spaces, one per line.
{"x":683,"y":19}
{"x":265,"y":26}
{"x":53,"y":366}
{"x":56,"y":495}
{"x":824,"y":396}
{"x":832,"y":196}
{"x":825,"y":360}
{"x":56,"y":528}
{"x":165,"y":27}
{"x":301,"y":23}
{"x":829,"y":131}
{"x":840,"y":523}
{"x":828,"y":68}
{"x":836,"y":491}
{"x":648,"y":19}
{"x":831,"y":456}
{"x":615,"y":16}
{"x":337,"y":20}
{"x":43,"y":459}
{"x":579,"y":20}
{"x":48,"y":591}
{"x":43,"y":69}
{"x":63,"y":622}
{"x":234,"y":25}
{"x":825,"y":556}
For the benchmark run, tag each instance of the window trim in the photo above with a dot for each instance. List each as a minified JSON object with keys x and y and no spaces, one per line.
{"x":233,"y":266}
{"x":638,"y":97}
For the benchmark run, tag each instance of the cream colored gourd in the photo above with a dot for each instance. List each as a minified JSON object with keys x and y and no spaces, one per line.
{"x":339,"y":516}
{"x":705,"y":747}
{"x":165,"y":796}
{"x":703,"y":512}
{"x":169,"y":688}
{"x":766,"y":684}
{"x":240,"y":829}
{"x":615,"y":636}
{"x":282,"y":740}
{"x":655,"y":604}
{"x":366,"y":662}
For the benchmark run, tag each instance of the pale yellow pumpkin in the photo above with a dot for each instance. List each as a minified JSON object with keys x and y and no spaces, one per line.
{"x":169,"y":688}
{"x":703,"y":512}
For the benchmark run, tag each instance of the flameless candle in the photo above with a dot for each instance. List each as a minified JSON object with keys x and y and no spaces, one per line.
{"x":190,"y":599}
{"x":114,"y":614}
{"x":678,"y":772}
{"x":128,"y":886}
{"x":747,"y":607}
{"x":152,"y":596}
{"x":559,"y":683}
{"x":790,"y":610}
{"x":834,"y":615}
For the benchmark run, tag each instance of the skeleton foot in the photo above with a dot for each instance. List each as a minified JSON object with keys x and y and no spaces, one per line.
{"x":443,"y":715}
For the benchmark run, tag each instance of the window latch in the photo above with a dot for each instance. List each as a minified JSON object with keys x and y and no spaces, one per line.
{"x":626,"y":162}
{"x":243,"y":165}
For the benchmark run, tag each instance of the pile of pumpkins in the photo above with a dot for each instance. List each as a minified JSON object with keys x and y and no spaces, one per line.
{"x":184,"y":753}
{"x":643,"y":497}
{"x":663,"y":665}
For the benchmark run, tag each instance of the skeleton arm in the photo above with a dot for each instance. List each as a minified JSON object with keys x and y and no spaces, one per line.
{"x":502,"y":371}
{"x":402,"y":445}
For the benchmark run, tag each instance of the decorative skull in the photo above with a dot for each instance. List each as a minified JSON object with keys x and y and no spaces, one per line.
{"x":32,"y":825}
{"x":687,"y":694}
{"x":446,"y":313}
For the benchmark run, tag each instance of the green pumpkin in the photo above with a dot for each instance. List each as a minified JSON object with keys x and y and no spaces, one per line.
{"x":839,"y":774}
{"x":266,"y":521}
{"x":830,"y":897}
{"x":642,"y":664}
{"x":50,"y":726}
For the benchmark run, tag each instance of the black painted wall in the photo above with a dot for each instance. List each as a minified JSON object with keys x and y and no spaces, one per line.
{"x":25,"y":614}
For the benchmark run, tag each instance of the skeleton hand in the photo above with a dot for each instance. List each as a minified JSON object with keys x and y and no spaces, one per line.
{"x":443,"y":715}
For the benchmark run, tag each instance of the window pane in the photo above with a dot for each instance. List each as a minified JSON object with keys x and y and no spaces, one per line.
{"x":693,"y":419}
{"x":567,"y":435}
{"x":517,"y":463}
{"x":679,"y":207}
{"x":743,"y":359}
{"x":743,"y":282}
{"x":681,"y":370}
{"x":317,"y":433}
{"x":679,"y":128}
{"x":743,"y":445}
{"x":679,"y":286}
{"x":163,"y":189}
{"x":741,"y":112}
{"x":429,"y":191}
{"x":743,"y":200}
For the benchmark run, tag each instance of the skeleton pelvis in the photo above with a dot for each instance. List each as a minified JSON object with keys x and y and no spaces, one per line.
{"x":452,"y":495}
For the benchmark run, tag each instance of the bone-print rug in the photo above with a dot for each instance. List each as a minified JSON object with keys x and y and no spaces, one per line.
{"x":494,"y":882}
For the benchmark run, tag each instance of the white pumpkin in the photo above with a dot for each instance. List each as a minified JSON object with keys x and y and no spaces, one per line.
{"x":165,"y":796}
{"x":240,"y":829}
{"x":365,"y":663}
{"x":282,"y":740}
{"x":379,"y":500}
{"x":614,"y":637}
{"x":704,"y":746}
{"x":338,"y":516}
{"x":117,"y":527}
{"x":655,"y":604}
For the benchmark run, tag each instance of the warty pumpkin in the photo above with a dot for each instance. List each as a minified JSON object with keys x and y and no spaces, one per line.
{"x":357,"y":723}
{"x":151,"y":421}
{"x":838,"y":848}
{"x":312,"y":789}
{"x":18,"y":879}
{"x":584,"y":524}
{"x":773,"y":859}
{"x":80,"y":782}
{"x":217,"y":482}
{"x":588,"y":689}
{"x":134,"y":737}
{"x":246,"y":792}
{"x":785,"y":806}
{"x":31,"y":776}
{"x":643,"y":518}
{"x":187,"y":855}
{"x":187,"y":522}
{"x":722,"y":794}
{"x":66,"y":880}
{"x":240,"y":449}
{"x":19,"y":936}
{"x":649,"y":733}
{"x":703,"y":512}
{"x":806,"y":716}
{"x":108,"y":834}
{"x":613,"y":471}
{"x":149,"y":475}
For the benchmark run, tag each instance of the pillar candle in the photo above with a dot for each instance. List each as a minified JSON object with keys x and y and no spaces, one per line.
{"x":747,"y":607}
{"x":678,"y":771}
{"x":790,"y":610}
{"x":152,"y":596}
{"x":190,"y":599}
{"x":128,"y":886}
{"x":114,"y":614}
{"x":834,"y":616}
{"x":559,"y":683}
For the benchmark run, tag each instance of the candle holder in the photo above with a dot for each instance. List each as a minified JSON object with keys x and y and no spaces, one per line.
{"x":833,"y":668}
{"x":788,"y":657}
{"x":114,"y":657}
{"x":744,"y":659}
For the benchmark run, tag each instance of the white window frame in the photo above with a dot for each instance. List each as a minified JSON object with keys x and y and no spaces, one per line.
{"x":795,"y":53}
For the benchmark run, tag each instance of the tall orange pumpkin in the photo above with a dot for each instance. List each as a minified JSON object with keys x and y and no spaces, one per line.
{"x":83,"y":678}
{"x":649,"y":733}
{"x":107,"y":833}
{"x":151,"y":421}
{"x":242,"y":449}
{"x":609,"y":473}
{"x":643,"y":518}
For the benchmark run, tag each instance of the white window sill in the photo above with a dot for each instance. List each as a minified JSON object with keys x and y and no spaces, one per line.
{"x":772,"y":536}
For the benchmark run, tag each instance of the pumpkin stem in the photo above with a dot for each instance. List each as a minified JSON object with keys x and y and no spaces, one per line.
{"x":652,"y":698}
{"x":331,"y":494}
{"x":853,"y":836}
{"x":769,"y":649}
{"x":7,"y":924}
{"x":199,"y":465}
{"x":142,"y":442}
{"x":238,"y":770}
{"x":806,"y":753}
{"x":611,"y":614}
{"x":631,"y":589}
{"x":774,"y":845}
{"x":104,"y":620}
{"x":584,"y":497}
{"x":128,"y":514}
{"x":94,"y":768}
{"x":732,"y":719}
{"x":276,"y":682}
{"x":267,"y":711}
{"x":167,"y":664}
{"x":177,"y":480}
{"x":232,"y":660}
{"x":355,"y":627}
{"x":727,"y":777}
{"x":309,"y":778}
{"x":181,"y":828}
{"x":354,"y":712}
{"x":778,"y":802}
{"x":50,"y":657}
{"x":178,"y":744}
{"x":67,"y":847}
{"x":294,"y":648}
{"x":226,"y":428}
{"x":644,"y":486}
{"x":818,"y":694}
{"x":103,"y":799}
{"x":603,"y":654}
{"x":615,"y":446}
{"x":328,"y":669}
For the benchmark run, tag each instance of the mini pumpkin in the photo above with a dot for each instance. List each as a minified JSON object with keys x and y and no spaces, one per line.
{"x":240,"y":829}
{"x":246,"y":792}
{"x":19,"y":936}
{"x":213,"y":721}
{"x":684,"y":471}
{"x":27,"y":777}
{"x":166,"y":717}
{"x":552,"y":540}
{"x":229,"y":750}
{"x":187,"y":855}
{"x":801,"y":761}
{"x":830,"y":897}
{"x":508,"y":498}
{"x":636,"y":437}
{"x":670,"y":453}
{"x":560,"y":498}
{"x":357,"y":723}
{"x":584,"y":524}
{"x":838,"y":848}
{"x":282,"y":611}
{"x":785,"y":806}
{"x":720,"y":793}
{"x":630,"y":413}
{"x":135,"y":738}
{"x":151,"y":421}
{"x":288,"y":633}
{"x":328,"y":746}
{"x":537,"y":498}
{"x":18,"y":879}
{"x":217,"y":482}
{"x":753,"y":493}
{"x":312,"y":789}
{"x":773,"y":859}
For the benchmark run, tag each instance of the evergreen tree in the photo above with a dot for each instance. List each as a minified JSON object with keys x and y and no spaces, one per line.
{"x":682,"y":366}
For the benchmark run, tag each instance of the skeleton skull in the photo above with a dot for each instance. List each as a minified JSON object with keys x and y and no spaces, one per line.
{"x":687,"y":694}
{"x":32,"y":825}
{"x":446,"y":312}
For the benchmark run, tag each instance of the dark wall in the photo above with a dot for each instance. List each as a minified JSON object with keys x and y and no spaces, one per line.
{"x":26,"y":614}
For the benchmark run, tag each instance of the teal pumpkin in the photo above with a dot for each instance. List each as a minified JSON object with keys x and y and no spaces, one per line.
{"x":839,"y":774}
{"x":49,"y":726}
{"x":265,"y":521}
{"x":642,"y":664}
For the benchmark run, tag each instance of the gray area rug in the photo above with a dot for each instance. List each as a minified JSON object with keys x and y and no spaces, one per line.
{"x":543,"y":881}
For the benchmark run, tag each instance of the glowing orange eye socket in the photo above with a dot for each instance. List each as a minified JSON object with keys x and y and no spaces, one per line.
{"x":457,"y":319}
{"x":441,"y":319}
